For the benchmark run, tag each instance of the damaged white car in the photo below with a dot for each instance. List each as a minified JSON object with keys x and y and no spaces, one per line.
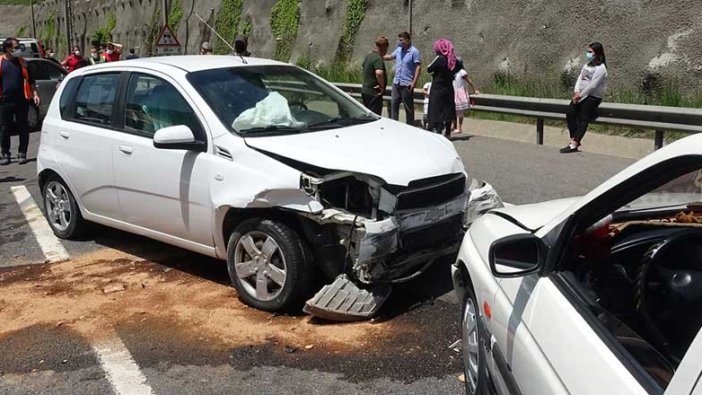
{"x":260,"y":163}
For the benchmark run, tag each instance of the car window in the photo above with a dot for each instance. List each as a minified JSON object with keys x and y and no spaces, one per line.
{"x":52,"y":71}
{"x":95,"y":97}
{"x":680,"y":191}
{"x":66,"y":96}
{"x":153,"y":104}
{"x":37,"y":71}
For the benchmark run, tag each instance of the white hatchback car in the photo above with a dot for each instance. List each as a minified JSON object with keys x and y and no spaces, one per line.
{"x":594,"y":295}
{"x":257,"y":162}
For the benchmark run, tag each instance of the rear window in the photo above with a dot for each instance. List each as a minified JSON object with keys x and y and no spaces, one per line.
{"x":95,"y":98}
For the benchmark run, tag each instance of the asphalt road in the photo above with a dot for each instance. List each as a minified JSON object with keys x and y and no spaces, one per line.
{"x":184,"y":331}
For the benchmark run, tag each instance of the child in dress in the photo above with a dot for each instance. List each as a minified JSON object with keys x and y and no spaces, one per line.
{"x":426,"y":89}
{"x":460,"y":86}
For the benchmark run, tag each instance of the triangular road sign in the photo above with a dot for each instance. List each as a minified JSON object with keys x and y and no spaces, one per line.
{"x":167,"y":38}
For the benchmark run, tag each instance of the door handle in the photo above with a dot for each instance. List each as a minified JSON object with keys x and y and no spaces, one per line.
{"x":64,"y":134}
{"x":125,"y":149}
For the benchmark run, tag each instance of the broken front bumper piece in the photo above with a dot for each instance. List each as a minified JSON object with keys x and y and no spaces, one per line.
{"x":343,"y":300}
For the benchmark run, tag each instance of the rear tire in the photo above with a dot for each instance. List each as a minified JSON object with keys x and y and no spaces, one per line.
{"x":269,"y":265}
{"x":61,"y":210}
{"x":476,"y":378}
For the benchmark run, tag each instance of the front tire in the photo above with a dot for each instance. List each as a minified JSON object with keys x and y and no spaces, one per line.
{"x":61,"y":210}
{"x":268,"y":265}
{"x":473,"y":349}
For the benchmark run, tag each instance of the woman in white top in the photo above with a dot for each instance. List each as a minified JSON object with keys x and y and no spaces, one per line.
{"x":589,"y":91}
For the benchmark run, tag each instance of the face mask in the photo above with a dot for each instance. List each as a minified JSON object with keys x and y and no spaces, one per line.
{"x":590,"y":56}
{"x":51,"y":54}
{"x":16,"y":52}
{"x":109,"y":52}
{"x":77,"y":53}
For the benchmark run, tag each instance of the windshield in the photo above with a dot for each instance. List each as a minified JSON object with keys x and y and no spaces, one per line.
{"x":677,"y":193}
{"x":265,"y":100}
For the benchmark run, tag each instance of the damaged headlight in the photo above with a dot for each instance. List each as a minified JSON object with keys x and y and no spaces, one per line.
{"x":354,"y":193}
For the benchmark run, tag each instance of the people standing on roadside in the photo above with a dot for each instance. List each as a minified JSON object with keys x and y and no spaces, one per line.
{"x":375,"y":76}
{"x":588,"y":93}
{"x":132,"y":54}
{"x":50,"y":56}
{"x":17,"y":91}
{"x":95,"y":57}
{"x":113,"y":52}
{"x":407,"y":69}
{"x":205,"y":48}
{"x":425,"y":120}
{"x":240,"y":47}
{"x":442,"y":107}
{"x":74,"y":60}
{"x":461,"y":82}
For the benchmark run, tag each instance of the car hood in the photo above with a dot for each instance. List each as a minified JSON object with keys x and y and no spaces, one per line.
{"x":393,"y":151}
{"x":534,"y":216}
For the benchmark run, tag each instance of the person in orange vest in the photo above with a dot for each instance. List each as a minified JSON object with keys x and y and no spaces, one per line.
{"x":18,"y":90}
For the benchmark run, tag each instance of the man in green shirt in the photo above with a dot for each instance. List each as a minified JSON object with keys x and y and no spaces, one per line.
{"x":374,"y":76}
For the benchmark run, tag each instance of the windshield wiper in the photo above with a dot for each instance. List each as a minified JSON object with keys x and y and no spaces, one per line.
{"x":270,"y":129}
{"x":344,"y":121}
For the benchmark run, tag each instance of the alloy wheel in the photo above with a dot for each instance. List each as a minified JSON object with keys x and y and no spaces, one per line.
{"x":58,"y":206}
{"x":260,"y":265}
{"x":471,"y":345}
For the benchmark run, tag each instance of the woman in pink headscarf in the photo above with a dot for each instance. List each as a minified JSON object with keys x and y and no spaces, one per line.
{"x":442,"y":107}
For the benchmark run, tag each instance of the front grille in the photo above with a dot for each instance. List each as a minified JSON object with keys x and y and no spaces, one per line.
{"x":431,"y":192}
{"x":433,"y":235}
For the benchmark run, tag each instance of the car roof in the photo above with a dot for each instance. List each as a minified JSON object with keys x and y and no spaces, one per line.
{"x":189,"y":63}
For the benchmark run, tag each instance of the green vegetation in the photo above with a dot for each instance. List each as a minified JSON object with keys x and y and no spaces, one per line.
{"x":355,"y":12}
{"x":14,"y":2}
{"x":48,"y":33}
{"x":285,"y":17}
{"x":21,"y":32}
{"x":154,"y":30}
{"x":247,"y":28}
{"x":176,"y":15}
{"x":227,"y":24}
{"x":103,"y":34}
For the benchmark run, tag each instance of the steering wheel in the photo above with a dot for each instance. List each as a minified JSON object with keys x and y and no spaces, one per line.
{"x":298,"y":107}
{"x":666,"y":286}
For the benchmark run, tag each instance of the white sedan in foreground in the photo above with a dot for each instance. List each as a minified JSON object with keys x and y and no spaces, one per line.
{"x":594,"y":295}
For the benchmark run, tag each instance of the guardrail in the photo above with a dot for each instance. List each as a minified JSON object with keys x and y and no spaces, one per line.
{"x":658,"y":118}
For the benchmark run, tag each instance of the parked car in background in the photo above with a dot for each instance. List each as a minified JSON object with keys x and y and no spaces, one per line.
{"x":594,"y":295}
{"x":31,"y":47}
{"x":259,"y":163}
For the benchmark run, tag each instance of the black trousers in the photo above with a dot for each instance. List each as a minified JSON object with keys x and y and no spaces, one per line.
{"x":442,"y":128}
{"x":13,"y":115}
{"x":373,"y":103}
{"x":402,"y":94}
{"x":579,"y":115}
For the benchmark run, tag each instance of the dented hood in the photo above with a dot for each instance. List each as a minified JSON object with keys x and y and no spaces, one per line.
{"x":393,"y":151}
{"x":534,"y":216}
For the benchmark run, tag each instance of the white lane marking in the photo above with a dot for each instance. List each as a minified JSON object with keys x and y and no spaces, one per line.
{"x":50,"y":245}
{"x":122,"y":372}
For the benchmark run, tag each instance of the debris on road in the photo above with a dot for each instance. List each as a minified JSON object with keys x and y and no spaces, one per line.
{"x":456,"y":346}
{"x":290,"y":349}
{"x":462,"y":378}
{"x":114,"y":287}
{"x":309,"y":346}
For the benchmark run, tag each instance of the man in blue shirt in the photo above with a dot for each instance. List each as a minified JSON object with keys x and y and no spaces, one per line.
{"x":407,"y":68}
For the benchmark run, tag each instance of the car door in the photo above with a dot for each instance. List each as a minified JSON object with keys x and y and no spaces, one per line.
{"x":546,"y":335}
{"x":82,"y":141}
{"x":47,"y":87}
{"x":162,"y":190}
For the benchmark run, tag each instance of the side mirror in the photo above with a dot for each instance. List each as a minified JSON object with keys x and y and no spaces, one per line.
{"x":177,"y":137}
{"x":516,"y":256}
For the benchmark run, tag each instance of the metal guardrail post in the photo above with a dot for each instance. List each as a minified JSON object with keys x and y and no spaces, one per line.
{"x":658,"y":140}
{"x":540,"y":131}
